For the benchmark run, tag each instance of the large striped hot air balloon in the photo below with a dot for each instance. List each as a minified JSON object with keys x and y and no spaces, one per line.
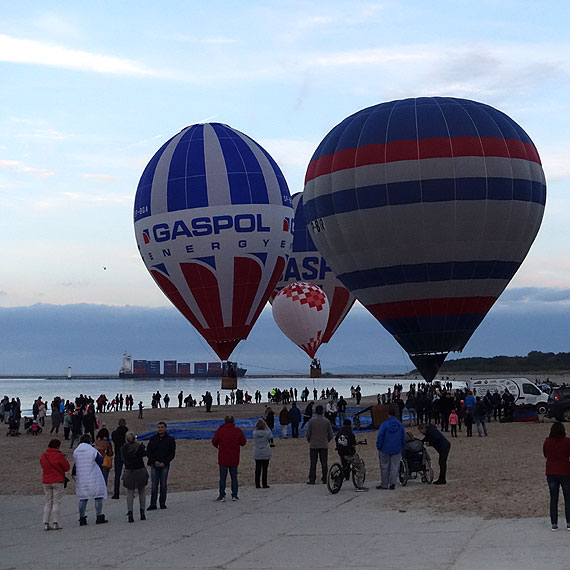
{"x":212,"y":223}
{"x":425,"y":209}
{"x":306,"y":264}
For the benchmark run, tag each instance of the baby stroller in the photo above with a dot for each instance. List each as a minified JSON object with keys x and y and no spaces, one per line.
{"x":415,"y":459}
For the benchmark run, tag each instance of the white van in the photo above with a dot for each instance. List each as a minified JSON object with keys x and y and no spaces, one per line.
{"x":524,"y":391}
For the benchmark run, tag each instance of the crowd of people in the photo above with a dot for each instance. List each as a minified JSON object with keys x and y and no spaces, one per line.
{"x":436,"y":409}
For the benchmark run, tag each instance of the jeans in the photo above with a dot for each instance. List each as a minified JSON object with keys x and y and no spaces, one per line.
{"x":158,"y":476}
{"x":554,"y":484}
{"x":389,"y":468}
{"x":295,"y":430}
{"x":105,"y":472}
{"x":261,"y":466}
{"x":359,"y":469}
{"x":341,"y":417}
{"x":118,"y":472}
{"x":322,"y":455}
{"x":481,"y":423}
{"x":234,"y":478}
{"x":98,"y":506}
{"x":53,"y":494}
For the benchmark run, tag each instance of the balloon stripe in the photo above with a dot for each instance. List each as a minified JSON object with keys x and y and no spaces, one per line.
{"x":414,"y":191}
{"x":381,"y":153}
{"x":445,"y":271}
{"x":187,"y":179}
{"x":339,"y":304}
{"x":204,"y":287}
{"x":170,"y":290}
{"x":245,"y":177}
{"x":426,"y":307}
{"x":247,"y":276}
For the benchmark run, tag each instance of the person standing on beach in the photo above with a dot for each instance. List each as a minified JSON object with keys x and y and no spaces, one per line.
{"x":136,"y":475}
{"x":480,"y":413}
{"x":556,"y":449}
{"x":441,"y":444}
{"x":319,"y":433}
{"x":118,"y":437}
{"x":295,"y":415}
{"x":284,"y":420}
{"x":228,"y":440}
{"x":161,"y":452}
{"x":54,"y":466}
{"x":390,"y":442}
{"x":180,"y":398}
{"x":308,"y":414}
{"x":90,"y":483}
{"x":261,"y":453}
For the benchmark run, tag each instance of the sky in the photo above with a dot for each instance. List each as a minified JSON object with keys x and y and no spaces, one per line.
{"x":90,"y":91}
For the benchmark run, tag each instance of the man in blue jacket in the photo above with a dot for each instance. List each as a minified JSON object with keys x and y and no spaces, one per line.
{"x":390,"y":442}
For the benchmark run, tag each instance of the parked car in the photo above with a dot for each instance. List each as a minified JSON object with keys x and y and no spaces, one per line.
{"x":559,"y":403}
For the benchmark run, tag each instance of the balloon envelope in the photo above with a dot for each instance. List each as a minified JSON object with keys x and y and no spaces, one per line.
{"x":301,"y":311}
{"x":212,"y":222}
{"x":425,"y":209}
{"x":306,"y":264}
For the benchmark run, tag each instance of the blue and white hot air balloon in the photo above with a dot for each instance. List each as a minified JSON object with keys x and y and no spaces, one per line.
{"x":425,"y":209}
{"x":212,"y":221}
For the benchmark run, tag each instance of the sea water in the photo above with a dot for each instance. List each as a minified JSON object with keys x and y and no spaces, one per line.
{"x":29,"y":389}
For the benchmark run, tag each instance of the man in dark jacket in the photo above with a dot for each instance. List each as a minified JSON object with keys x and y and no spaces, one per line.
{"x":118,"y":437}
{"x":295,"y":414}
{"x":441,"y":444}
{"x":161,"y":451}
{"x":228,"y":439}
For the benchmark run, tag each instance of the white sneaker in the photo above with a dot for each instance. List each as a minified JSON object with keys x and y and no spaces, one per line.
{"x":220,"y":499}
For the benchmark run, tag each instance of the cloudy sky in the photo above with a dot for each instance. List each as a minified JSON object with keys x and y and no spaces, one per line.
{"x":90,"y":91}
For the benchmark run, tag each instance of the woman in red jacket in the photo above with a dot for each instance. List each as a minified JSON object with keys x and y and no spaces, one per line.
{"x":556,"y":449}
{"x":54,"y":466}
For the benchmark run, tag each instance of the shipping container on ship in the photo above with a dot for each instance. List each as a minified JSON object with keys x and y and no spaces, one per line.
{"x":170,"y":369}
{"x":215,"y":369}
{"x":139,"y":367}
{"x":200,"y":369}
{"x":184,"y":370}
{"x":153,"y":368}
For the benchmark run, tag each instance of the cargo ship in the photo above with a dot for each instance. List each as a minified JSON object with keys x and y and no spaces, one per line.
{"x":172,"y":369}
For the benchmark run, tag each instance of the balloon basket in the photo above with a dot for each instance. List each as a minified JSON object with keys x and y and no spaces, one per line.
{"x":316,"y":372}
{"x":229,"y":383}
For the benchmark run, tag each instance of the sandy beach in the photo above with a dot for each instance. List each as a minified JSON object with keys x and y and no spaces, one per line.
{"x":501,"y":475}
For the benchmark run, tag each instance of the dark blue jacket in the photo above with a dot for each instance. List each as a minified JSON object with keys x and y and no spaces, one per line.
{"x":295,"y":414}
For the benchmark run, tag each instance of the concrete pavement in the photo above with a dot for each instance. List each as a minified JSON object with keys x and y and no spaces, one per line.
{"x":284,"y":527}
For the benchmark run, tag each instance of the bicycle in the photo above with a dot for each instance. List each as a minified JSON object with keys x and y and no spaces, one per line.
{"x":338,"y":472}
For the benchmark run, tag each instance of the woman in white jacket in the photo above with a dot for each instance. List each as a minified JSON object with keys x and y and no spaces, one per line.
{"x":262,"y":437}
{"x":90,"y":483}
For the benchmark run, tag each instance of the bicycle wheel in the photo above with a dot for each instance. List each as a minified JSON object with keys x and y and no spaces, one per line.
{"x":403,"y":474}
{"x":429,"y":470}
{"x":363,"y":474}
{"x":334,"y":478}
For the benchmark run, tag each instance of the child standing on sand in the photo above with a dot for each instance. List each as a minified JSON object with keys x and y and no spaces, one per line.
{"x":453,"y":421}
{"x":140,"y":410}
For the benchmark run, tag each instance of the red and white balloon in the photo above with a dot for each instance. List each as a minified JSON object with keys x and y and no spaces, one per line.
{"x":301,"y":311}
